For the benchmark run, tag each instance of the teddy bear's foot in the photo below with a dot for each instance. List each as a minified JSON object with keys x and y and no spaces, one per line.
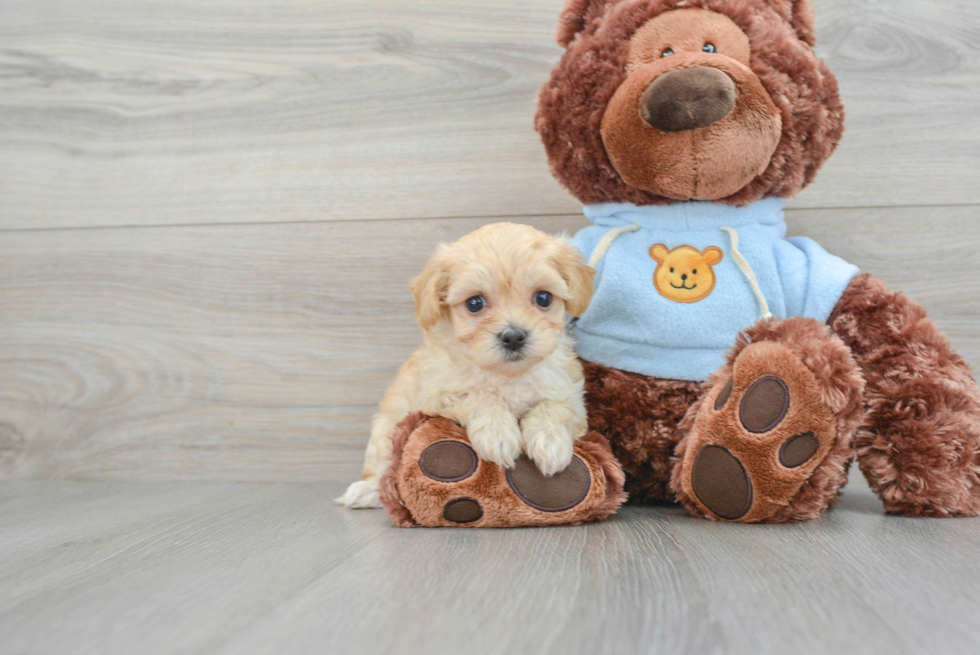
{"x":770,"y":441}
{"x":436,"y":479}
{"x":919,"y":445}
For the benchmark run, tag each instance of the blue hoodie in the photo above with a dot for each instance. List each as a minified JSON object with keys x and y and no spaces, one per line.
{"x":677,"y":283}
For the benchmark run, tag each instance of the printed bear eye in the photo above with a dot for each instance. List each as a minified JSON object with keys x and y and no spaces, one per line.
{"x":475,"y":304}
{"x":695,"y":271}
{"x":542,"y":299}
{"x":666,"y":53}
{"x":709,"y":47}
{"x":671,"y":269}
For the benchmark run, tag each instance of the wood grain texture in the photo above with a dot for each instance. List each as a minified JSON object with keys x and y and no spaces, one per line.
{"x":205,"y":568}
{"x":259,"y":352}
{"x":177,"y":112}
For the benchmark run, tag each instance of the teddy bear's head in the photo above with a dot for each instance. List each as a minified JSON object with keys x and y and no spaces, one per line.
{"x":656,"y":101}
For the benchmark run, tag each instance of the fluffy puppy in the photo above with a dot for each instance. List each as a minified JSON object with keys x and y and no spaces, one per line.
{"x":497,"y":357}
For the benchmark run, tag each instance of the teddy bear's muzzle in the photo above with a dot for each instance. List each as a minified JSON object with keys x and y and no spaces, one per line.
{"x":692,"y":126}
{"x":688,"y":98}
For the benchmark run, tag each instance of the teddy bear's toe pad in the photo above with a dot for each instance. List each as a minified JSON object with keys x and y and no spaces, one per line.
{"x":721,"y":483}
{"x":562,"y":491}
{"x":436,"y":479}
{"x":448,"y":461}
{"x":764,"y":405}
{"x":798,"y":449}
{"x":462,"y":510}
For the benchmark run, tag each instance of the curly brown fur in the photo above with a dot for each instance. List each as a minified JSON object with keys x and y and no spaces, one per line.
{"x":573,"y":102}
{"x":388,"y":487}
{"x":639,"y":416}
{"x":919,"y":446}
{"x":598,"y":447}
{"x":841,"y":388}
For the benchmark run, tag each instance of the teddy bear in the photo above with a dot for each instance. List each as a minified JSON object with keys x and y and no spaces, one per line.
{"x":730,"y":368}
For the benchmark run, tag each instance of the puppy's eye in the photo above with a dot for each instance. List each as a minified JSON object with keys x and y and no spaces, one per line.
{"x":475,"y":304}
{"x":709,"y":48}
{"x":666,"y":53}
{"x":542,"y":299}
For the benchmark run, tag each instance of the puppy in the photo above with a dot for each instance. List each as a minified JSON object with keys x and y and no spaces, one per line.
{"x":497,"y":357}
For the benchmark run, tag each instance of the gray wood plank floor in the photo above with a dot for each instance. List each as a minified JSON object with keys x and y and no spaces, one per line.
{"x":196,"y":567}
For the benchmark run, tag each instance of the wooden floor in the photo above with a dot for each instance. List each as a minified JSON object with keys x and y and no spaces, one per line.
{"x":209,"y":212}
{"x":199,"y":567}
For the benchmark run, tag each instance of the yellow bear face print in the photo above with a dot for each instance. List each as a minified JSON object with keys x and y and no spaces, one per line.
{"x":685,"y":274}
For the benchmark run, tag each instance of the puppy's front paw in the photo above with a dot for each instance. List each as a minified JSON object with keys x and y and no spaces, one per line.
{"x":362,"y":494}
{"x":498,"y":442}
{"x":549,"y":446}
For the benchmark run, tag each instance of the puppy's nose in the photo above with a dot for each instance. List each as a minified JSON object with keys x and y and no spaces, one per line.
{"x":688,"y":98}
{"x":513,"y":338}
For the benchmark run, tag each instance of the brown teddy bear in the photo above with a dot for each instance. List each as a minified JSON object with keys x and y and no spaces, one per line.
{"x":730,"y":368}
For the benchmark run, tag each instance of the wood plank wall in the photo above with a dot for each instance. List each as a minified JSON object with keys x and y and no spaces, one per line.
{"x":209,"y":211}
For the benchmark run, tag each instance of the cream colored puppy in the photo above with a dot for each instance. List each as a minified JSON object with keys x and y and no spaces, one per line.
{"x":497,"y":357}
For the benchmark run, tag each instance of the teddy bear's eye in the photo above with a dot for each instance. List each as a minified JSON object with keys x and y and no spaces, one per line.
{"x":709,"y":47}
{"x":666,"y":53}
{"x":695,"y":271}
{"x":671,"y":269}
{"x":475,"y":304}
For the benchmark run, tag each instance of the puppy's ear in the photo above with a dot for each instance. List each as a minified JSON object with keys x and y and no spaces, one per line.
{"x":578,"y":276}
{"x":429,"y":289}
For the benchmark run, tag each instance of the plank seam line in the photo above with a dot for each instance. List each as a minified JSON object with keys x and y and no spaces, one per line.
{"x":500,"y":217}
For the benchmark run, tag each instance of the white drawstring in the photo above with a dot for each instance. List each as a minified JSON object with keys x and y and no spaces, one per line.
{"x":747,"y":271}
{"x":606,"y":241}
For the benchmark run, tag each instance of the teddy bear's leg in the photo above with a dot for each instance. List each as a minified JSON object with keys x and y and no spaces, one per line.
{"x":919,"y":446}
{"x":436,"y":480}
{"x":770,"y":440}
{"x":639,"y":416}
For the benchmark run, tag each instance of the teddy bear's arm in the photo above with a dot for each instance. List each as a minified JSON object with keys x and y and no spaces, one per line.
{"x":920,"y":444}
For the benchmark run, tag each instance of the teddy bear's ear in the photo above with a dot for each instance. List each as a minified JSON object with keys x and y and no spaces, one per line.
{"x":799,"y":14}
{"x":574,"y":18}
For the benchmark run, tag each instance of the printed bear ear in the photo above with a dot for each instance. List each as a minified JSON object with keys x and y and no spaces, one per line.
{"x":799,"y":14}
{"x":574,"y":17}
{"x":713,"y":255}
{"x":659,"y":253}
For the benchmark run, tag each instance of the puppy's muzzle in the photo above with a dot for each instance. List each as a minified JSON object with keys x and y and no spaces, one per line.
{"x":513,"y":339}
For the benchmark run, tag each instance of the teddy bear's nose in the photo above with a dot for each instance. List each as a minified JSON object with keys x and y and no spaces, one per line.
{"x":688,"y":98}
{"x":684,"y":276}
